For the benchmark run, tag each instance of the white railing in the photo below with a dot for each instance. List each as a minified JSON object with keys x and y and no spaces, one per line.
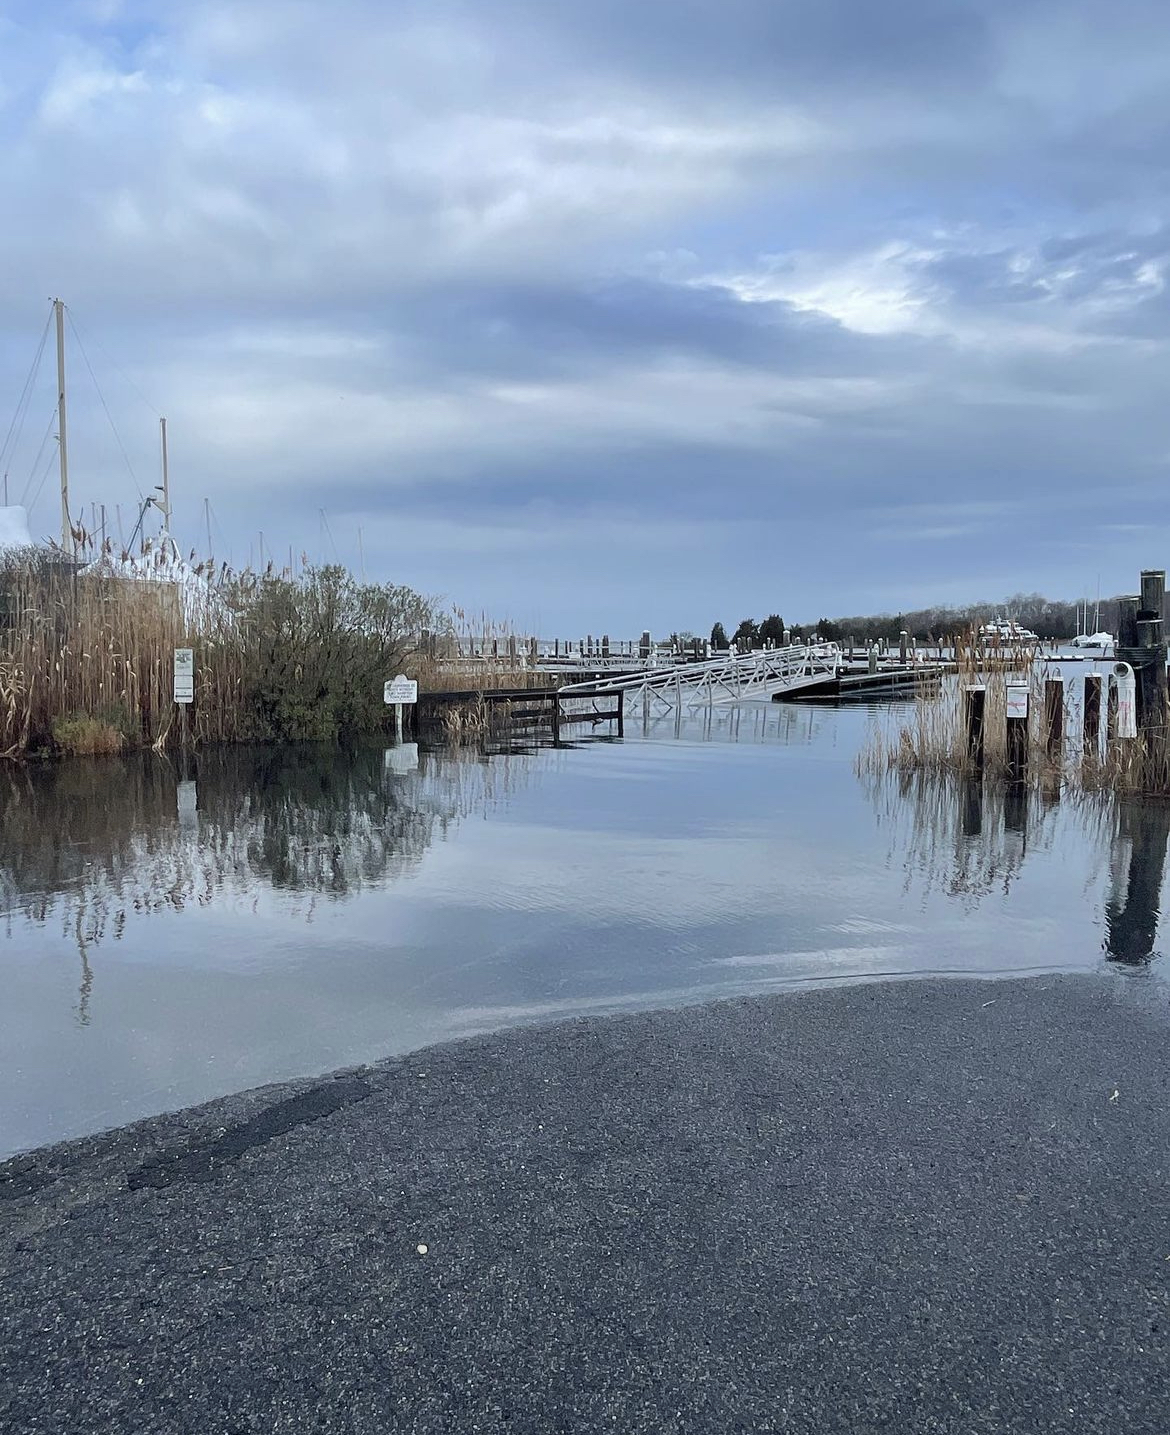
{"x":725,"y":679}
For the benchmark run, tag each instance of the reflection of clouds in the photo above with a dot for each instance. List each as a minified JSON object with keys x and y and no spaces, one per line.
{"x":96,"y":844}
{"x":668,"y":881}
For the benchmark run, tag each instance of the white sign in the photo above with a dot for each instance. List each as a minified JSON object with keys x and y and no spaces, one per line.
{"x":1123,"y":676}
{"x":400,"y":690}
{"x":184,"y":675}
{"x":1017,"y":701}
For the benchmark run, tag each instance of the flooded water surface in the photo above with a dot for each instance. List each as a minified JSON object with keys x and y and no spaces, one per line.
{"x":177,"y":933}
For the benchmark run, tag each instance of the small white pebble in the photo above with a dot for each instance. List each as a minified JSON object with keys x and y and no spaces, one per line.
{"x":422,"y":1250}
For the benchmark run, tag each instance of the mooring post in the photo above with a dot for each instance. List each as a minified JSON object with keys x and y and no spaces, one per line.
{"x":621,"y":715}
{"x":873,"y":657}
{"x":1054,"y":717}
{"x":1017,"y":732}
{"x":974,"y":712}
{"x":1152,"y":674}
{"x":556,"y":716}
{"x":1091,"y":726}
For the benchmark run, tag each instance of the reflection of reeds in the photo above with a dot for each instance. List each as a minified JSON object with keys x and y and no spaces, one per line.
{"x":954,"y":833}
{"x":94,"y":844}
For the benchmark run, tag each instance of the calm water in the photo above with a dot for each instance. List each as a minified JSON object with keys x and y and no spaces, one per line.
{"x":172,"y":936}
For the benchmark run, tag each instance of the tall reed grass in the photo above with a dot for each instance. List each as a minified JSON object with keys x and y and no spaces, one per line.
{"x":931,"y":736}
{"x":87,"y":653}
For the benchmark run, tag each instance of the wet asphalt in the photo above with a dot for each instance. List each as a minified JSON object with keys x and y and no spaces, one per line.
{"x":910,"y":1207}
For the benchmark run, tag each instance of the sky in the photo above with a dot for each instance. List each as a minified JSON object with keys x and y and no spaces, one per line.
{"x":595,"y":317}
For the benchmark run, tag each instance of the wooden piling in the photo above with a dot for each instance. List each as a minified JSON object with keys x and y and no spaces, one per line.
{"x":1054,"y":717}
{"x":1127,"y":616}
{"x":1111,"y":715}
{"x":1091,"y":726}
{"x":1017,"y":733}
{"x":974,"y":713}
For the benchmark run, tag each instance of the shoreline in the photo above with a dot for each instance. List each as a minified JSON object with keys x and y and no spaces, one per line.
{"x":923,"y":1204}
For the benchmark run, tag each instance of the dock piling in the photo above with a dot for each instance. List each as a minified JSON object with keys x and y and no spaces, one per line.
{"x":1017,"y":732}
{"x":1091,"y":724}
{"x":974,"y":713}
{"x":1054,"y":717}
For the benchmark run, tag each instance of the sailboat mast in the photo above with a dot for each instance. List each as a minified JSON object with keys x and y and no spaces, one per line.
{"x":62,"y":444}
{"x":166,"y":476}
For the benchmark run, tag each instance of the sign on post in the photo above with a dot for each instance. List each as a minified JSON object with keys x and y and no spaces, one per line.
{"x":1126,"y":683}
{"x":1017,"y":701}
{"x":400,"y":690}
{"x":184,"y":675}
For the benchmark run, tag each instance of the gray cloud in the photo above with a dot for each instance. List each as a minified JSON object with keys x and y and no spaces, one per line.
{"x":669,"y":304}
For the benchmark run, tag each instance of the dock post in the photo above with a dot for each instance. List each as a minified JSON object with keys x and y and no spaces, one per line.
{"x":1017,"y":732}
{"x":1152,"y":673}
{"x":974,"y":713}
{"x":1111,"y":709}
{"x":1054,"y":717}
{"x":1091,"y":725}
{"x":873,"y":657}
{"x":621,"y":715}
{"x":556,"y":716}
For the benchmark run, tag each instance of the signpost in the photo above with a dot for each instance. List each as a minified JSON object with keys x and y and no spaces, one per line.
{"x":400,"y":690}
{"x":184,"y":685}
{"x":184,"y":675}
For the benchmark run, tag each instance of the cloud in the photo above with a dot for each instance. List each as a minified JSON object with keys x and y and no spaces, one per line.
{"x":784,"y":290}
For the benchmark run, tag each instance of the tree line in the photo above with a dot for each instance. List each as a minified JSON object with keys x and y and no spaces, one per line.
{"x":1050,"y":618}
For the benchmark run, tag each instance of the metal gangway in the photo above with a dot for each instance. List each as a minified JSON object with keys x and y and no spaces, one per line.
{"x":720,"y":681}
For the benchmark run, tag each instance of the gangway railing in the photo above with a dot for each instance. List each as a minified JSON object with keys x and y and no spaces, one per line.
{"x":725,"y":679}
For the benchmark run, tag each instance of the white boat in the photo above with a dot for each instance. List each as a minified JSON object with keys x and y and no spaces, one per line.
{"x":1100,"y":642}
{"x":1007,"y":631}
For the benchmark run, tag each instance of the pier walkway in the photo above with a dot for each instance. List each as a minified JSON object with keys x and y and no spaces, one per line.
{"x":722,"y":680}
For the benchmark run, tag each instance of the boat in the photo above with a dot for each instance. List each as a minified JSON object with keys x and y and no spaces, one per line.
{"x":1006,"y":631}
{"x":1099,"y":641}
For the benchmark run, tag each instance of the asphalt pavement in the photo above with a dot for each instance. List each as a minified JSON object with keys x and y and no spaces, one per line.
{"x":930,"y":1206}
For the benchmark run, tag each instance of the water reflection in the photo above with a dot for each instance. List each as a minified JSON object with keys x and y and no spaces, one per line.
{"x":970,"y":839}
{"x":1137,"y":870}
{"x":958,"y":834}
{"x":92,"y":845}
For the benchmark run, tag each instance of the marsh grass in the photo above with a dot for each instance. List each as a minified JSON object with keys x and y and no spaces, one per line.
{"x":931,"y":738}
{"x":87,"y":654}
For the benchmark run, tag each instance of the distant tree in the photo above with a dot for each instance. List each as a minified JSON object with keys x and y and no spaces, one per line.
{"x":719,"y":638}
{"x":772,"y":630}
{"x":746,"y":636}
{"x":828,"y":630}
